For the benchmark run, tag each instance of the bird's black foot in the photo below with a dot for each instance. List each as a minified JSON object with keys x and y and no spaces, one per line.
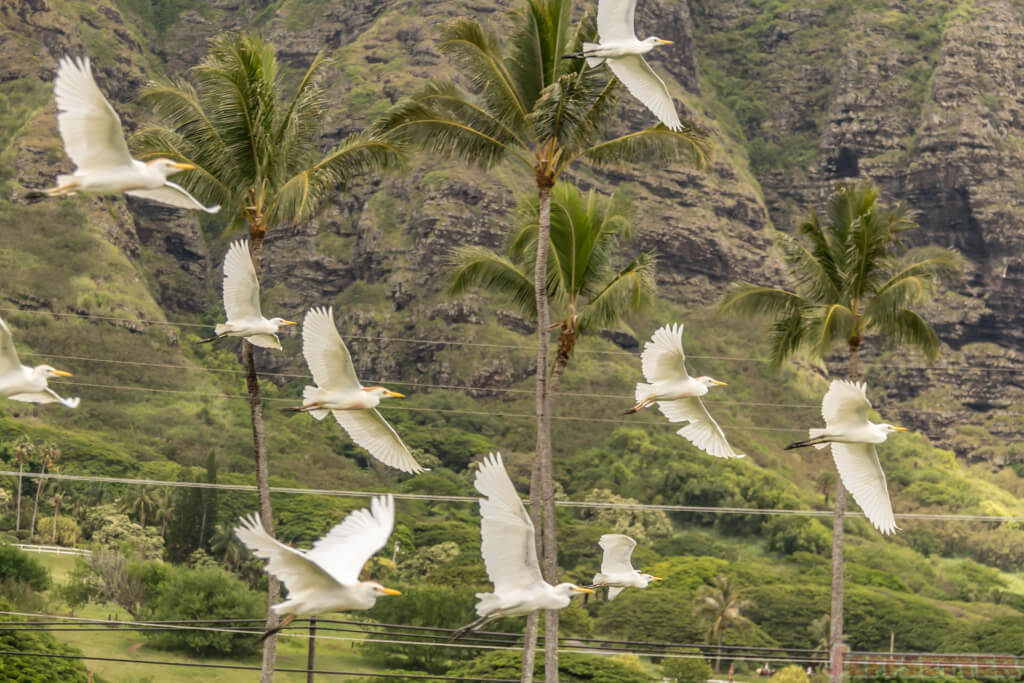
{"x":802,"y":444}
{"x":284,"y":622}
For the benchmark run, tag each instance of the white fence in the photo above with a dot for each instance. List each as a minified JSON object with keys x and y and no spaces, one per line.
{"x":54,"y":549}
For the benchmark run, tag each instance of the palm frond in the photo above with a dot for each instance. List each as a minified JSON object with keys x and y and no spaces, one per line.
{"x":907,"y":327}
{"x":830,"y":324}
{"x":358,"y":155}
{"x":481,"y":267}
{"x":790,"y":333}
{"x":652,"y":144}
{"x":203,"y":183}
{"x":478,"y":55}
{"x":630,"y":292}
{"x":561,"y":112}
{"x":815,"y":272}
{"x":745,"y":298}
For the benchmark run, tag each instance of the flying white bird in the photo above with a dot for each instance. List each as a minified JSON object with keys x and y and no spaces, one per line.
{"x":623,"y":52}
{"x":677,"y":394}
{"x":339,"y":391}
{"x":242,"y":302}
{"x":616,"y":569}
{"x":853,"y":438}
{"x":510,"y":553}
{"x":325,"y":578}
{"x":93,"y":138}
{"x":21,"y":383}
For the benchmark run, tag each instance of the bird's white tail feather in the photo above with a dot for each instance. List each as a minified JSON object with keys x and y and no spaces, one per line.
{"x":63,"y":180}
{"x":221,"y":328}
{"x":642,"y":391}
{"x":814,"y":433}
{"x":488,"y":604}
{"x":592,"y":61}
{"x":613,"y":592}
{"x":311,"y":395}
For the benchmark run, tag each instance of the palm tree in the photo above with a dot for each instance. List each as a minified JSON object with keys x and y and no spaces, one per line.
{"x":255,"y":154}
{"x":57,"y":499}
{"x":826,"y":481}
{"x":140,"y":503}
{"x":587,"y":293}
{"x":528,"y":105}
{"x":721,"y":606}
{"x":225,"y":546}
{"x":853,"y":276}
{"x":163,"y":510}
{"x":24,"y":449}
{"x":49,"y":454}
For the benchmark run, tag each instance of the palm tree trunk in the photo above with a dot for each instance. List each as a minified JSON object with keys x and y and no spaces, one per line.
{"x":17,"y":515}
{"x":549,"y":563}
{"x":718,"y":655}
{"x":56,"y":514}
{"x":835,"y":631}
{"x":262,"y":470}
{"x":35,"y":508}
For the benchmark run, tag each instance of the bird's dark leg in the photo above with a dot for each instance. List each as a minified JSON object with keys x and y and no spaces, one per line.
{"x":304,"y":409}
{"x":284,"y":622}
{"x":808,"y":442}
{"x":639,"y":406}
{"x":472,"y":626}
{"x":210,"y":339}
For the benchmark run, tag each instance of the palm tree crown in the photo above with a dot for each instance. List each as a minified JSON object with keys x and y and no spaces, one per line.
{"x":721,"y":606}
{"x":256,"y":154}
{"x":585,"y":289}
{"x":852,"y":276}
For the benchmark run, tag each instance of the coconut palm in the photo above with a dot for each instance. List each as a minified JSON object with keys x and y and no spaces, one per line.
{"x":49,"y":454}
{"x":256,"y":155}
{"x":721,"y":606}
{"x":826,"y":481}
{"x":585,"y":292}
{"x":225,"y":546}
{"x":24,"y":449}
{"x":57,"y":499}
{"x":163,"y":510}
{"x":140,"y":503}
{"x":853,"y":277}
{"x":526,"y":105}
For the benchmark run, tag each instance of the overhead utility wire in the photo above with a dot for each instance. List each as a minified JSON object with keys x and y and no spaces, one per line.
{"x":522,"y":347}
{"x":474,"y":499}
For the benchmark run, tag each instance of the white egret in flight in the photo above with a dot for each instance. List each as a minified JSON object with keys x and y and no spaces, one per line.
{"x":93,"y":138}
{"x":325,"y":578}
{"x":510,"y":553}
{"x":677,"y":394}
{"x":21,"y":383}
{"x":242,"y":302}
{"x":616,"y":569}
{"x":853,"y":438}
{"x":623,"y":52}
{"x":338,"y":390}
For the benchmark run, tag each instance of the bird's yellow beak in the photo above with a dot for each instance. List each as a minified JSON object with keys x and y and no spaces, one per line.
{"x":61,"y":373}
{"x":719,"y":384}
{"x":182,"y":166}
{"x":899,"y":429}
{"x":388,"y":591}
{"x":657,"y":578}
{"x":395,"y":394}
{"x":581,"y":590}
{"x":288,"y":322}
{"x":666,"y":42}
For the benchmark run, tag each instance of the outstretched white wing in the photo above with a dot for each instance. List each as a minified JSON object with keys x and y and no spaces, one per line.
{"x":645,"y":85}
{"x":845,"y":403}
{"x":89,"y":126}
{"x":9,"y":362}
{"x":703,"y":432}
{"x":617,"y":550}
{"x":326,"y":354}
{"x":293,"y":567}
{"x":241,"y":286}
{"x":862,"y":475}
{"x":663,"y":359}
{"x":347,"y":547}
{"x":507,"y":537}
{"x":175,"y":195}
{"x":369,"y":429}
{"x":615,"y":20}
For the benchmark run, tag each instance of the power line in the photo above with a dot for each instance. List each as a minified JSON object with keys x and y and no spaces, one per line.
{"x":474,"y":499}
{"x":522,"y":347}
{"x":452,"y":411}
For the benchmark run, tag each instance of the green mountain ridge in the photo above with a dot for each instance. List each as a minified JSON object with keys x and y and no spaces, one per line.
{"x":122,"y":274}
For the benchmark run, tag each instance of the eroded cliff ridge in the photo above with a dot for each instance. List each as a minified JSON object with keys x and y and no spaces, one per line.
{"x":923,"y":96}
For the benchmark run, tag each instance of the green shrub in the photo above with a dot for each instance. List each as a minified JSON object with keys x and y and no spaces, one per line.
{"x":790,"y":674}
{"x":207,"y":593}
{"x":692,"y":669}
{"x":18,"y":565}
{"x":793,"y":534}
{"x":572,"y":668}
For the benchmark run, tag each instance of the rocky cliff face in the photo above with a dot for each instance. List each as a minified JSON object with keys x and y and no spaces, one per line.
{"x":921,"y":96}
